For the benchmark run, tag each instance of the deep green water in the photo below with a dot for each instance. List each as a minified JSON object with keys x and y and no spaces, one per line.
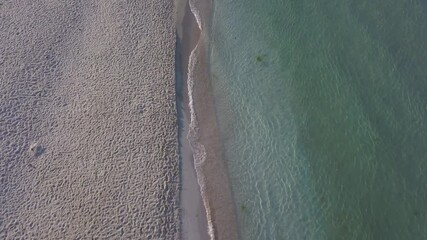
{"x":322,"y":106}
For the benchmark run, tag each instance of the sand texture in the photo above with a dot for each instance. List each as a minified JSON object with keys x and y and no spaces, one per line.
{"x":88,"y":133}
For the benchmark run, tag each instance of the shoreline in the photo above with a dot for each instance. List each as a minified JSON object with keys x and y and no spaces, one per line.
{"x":193,"y":215}
{"x":219,"y":209}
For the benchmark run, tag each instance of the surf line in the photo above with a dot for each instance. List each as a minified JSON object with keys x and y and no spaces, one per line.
{"x":199,"y":151}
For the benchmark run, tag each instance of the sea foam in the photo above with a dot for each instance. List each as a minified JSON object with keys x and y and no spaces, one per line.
{"x":199,"y":151}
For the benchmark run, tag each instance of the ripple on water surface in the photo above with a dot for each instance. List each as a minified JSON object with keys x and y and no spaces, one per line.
{"x":322,"y":111}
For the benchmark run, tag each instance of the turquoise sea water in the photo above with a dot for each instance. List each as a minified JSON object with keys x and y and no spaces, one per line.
{"x":322,"y":107}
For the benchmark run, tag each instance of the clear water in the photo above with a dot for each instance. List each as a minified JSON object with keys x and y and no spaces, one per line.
{"x":322,"y":106}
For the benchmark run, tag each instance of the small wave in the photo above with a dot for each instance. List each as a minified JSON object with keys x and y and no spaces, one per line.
{"x":196,"y":14}
{"x":199,"y":151}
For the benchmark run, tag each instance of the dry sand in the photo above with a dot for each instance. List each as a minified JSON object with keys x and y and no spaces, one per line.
{"x":88,"y":134}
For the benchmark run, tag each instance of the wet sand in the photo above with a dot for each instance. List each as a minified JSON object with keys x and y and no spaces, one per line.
{"x":193,"y":215}
{"x":88,"y":126}
{"x":220,"y":207}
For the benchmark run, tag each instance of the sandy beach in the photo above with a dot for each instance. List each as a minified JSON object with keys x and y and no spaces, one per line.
{"x":88,"y":133}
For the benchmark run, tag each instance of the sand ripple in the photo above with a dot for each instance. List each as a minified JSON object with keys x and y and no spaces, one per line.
{"x":88,"y":138}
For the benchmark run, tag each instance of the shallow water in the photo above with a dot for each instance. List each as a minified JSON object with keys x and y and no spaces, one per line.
{"x":322,"y":110}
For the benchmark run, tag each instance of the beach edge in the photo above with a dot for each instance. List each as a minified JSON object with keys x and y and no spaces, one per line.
{"x":219,"y":203}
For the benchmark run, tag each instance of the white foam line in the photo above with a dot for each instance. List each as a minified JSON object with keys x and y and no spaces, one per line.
{"x":199,"y":151}
{"x":196,"y":14}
